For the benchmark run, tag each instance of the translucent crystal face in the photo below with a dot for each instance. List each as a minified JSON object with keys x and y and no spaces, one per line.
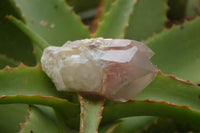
{"x":117,"y":69}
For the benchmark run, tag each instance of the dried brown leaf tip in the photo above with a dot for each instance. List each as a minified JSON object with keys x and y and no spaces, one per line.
{"x":117,"y":69}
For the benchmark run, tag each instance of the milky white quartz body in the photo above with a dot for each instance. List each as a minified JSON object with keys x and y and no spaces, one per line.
{"x":117,"y":69}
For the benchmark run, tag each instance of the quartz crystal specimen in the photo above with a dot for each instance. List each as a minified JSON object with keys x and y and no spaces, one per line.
{"x":117,"y":69}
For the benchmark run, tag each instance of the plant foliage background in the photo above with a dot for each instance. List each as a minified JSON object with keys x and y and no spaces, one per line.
{"x":29,"y":101}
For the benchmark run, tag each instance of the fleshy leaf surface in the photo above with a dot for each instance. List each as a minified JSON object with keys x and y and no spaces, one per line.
{"x":27,"y":81}
{"x":169,"y":125}
{"x":4,"y":60}
{"x":108,"y":128}
{"x":13,"y":43}
{"x":69,"y":110}
{"x":134,"y":124}
{"x":11,"y":116}
{"x":182,"y":101}
{"x":37,"y":99}
{"x":177,"y":51}
{"x":53,"y":20}
{"x":116,"y":20}
{"x":103,"y":8}
{"x":40,"y":42}
{"x":90,"y":116}
{"x":32,"y":86}
{"x":172,"y":90}
{"x":43,"y":119}
{"x":193,"y":8}
{"x":148,"y":17}
{"x":150,"y":108}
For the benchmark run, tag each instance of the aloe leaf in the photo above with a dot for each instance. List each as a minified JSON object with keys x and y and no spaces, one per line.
{"x":104,"y":7}
{"x":11,"y":116}
{"x":33,"y":82}
{"x":109,"y":127}
{"x":27,"y":81}
{"x":183,"y":101}
{"x":4,"y":60}
{"x":148,"y":17}
{"x":161,"y":125}
{"x":41,"y":43}
{"x":43,"y":119}
{"x":38,"y":52}
{"x":14,"y":43}
{"x":116,"y":20}
{"x":168,"y":88}
{"x":37,"y":99}
{"x":53,"y":20}
{"x":177,"y":51}
{"x":81,"y":6}
{"x":193,"y":8}
{"x":58,"y":104}
{"x":134,"y":124}
{"x":172,"y":90}
{"x":68,"y":112}
{"x":169,"y":125}
{"x":150,"y":108}
{"x":90,"y":116}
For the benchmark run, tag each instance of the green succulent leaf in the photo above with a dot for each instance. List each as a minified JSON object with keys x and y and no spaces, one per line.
{"x":148,"y":17}
{"x":40,"y":42}
{"x":4,"y":60}
{"x":56,"y":23}
{"x":169,"y":125}
{"x":177,"y":51}
{"x":140,"y":28}
{"x":172,"y":90}
{"x":104,"y":7}
{"x":70,"y":111}
{"x":161,"y":125}
{"x":134,"y":124}
{"x":35,"y":87}
{"x":53,"y":20}
{"x":116,"y":20}
{"x":27,"y":81}
{"x":37,"y":99}
{"x":43,"y":119}
{"x":193,"y":8}
{"x":108,"y":128}
{"x":150,"y":108}
{"x":11,"y":116}
{"x":13,"y":43}
{"x":176,"y":93}
{"x":90,"y":116}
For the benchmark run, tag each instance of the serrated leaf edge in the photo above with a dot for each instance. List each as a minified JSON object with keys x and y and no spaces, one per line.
{"x":21,"y":65}
{"x":171,"y":28}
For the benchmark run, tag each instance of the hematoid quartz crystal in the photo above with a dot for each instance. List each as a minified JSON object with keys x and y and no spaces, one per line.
{"x":117,"y":69}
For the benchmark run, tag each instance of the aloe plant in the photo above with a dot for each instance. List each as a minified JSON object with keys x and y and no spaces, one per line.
{"x":30,"y":102}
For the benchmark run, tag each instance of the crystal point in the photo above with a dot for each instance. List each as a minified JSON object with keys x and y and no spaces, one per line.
{"x":117,"y":69}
